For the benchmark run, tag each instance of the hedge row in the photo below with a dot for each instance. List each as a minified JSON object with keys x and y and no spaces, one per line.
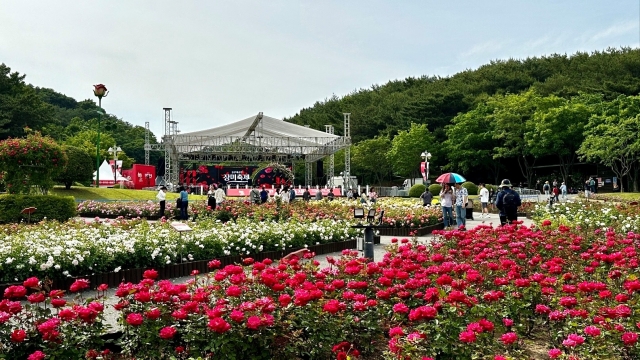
{"x":60,"y":208}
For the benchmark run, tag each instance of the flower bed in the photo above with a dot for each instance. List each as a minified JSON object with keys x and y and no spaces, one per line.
{"x":73,"y":249}
{"x":476,"y":294}
{"x":398,"y":212}
{"x":591,"y":215}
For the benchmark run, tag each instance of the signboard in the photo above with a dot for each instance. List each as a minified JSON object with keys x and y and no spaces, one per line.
{"x":180,"y":227}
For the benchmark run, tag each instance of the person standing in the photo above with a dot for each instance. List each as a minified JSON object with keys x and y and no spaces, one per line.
{"x":211,"y":198}
{"x":284,"y":195}
{"x":349,"y":194}
{"x":547,"y":189}
{"x":492,"y":197}
{"x":373,"y":196}
{"x":264,"y":195}
{"x":219,"y":195}
{"x":318,"y":194}
{"x":556,"y":193}
{"x":426,"y":197}
{"x":292,"y":194}
{"x":592,"y":185}
{"x":184,"y":204}
{"x":484,"y":201}
{"x":446,"y":200}
{"x":254,"y":195}
{"x":507,"y":202}
{"x":331,"y":195}
{"x":563,"y":190}
{"x":462,"y":197}
{"x":162,"y":198}
{"x":363,"y":198}
{"x":306,"y":195}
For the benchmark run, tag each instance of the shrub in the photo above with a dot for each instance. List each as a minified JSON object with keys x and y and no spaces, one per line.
{"x":494,"y":187}
{"x":79,"y":167}
{"x":417,"y":190}
{"x":471,"y":187}
{"x":60,"y":208}
{"x":435,"y":189}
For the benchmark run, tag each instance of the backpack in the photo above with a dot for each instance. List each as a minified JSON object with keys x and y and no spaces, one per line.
{"x":545,"y":187}
{"x":509,"y":200}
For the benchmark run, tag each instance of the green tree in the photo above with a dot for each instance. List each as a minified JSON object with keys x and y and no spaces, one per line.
{"x":79,"y":167}
{"x":611,"y":138}
{"x":558,"y":131}
{"x":406,"y":147}
{"x":369,"y":157}
{"x":470,"y":144}
{"x":87,"y":140}
{"x":20,"y":106}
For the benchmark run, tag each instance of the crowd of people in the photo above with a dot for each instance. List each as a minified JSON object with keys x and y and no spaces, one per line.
{"x":454,"y":199}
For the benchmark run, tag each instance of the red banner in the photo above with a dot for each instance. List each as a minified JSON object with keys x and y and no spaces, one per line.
{"x":423,"y":170}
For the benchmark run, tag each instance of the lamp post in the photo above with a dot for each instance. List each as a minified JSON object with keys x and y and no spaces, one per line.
{"x":426,"y":155}
{"x":99,"y":91}
{"x":115,"y":150}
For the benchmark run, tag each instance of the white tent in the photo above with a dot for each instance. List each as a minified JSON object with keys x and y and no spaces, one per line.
{"x":106,"y":174}
{"x":258,"y":130}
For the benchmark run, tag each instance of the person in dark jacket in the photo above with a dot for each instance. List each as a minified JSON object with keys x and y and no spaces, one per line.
{"x":507,"y":202}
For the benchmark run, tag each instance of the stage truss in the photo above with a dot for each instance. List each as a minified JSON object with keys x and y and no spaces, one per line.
{"x":256,"y":145}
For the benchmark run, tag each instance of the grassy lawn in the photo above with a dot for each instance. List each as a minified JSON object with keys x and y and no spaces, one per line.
{"x":89,"y":193}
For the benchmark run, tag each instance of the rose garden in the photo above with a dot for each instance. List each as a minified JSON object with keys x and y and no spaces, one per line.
{"x":566,"y":287}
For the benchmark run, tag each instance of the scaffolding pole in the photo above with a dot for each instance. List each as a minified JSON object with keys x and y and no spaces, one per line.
{"x":330,"y":130}
{"x":347,"y":151}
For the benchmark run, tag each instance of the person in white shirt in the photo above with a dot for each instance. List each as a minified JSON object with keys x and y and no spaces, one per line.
{"x":219,"y":195}
{"x":563,"y":190}
{"x":484,"y":200}
{"x":446,"y":200}
{"x":284,"y":195}
{"x":162,"y":198}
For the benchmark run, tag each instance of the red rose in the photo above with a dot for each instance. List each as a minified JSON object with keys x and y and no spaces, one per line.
{"x":18,"y":336}
{"x":15,"y":292}
{"x":37,"y":355}
{"x":100,"y":90}
{"x":253,"y":322}
{"x":56,"y":303}
{"x":31,"y":282}
{"x":168,"y":332}
{"x":150,"y":274}
{"x":79,"y":285}
{"x":153,"y":314}
{"x":103,"y":287}
{"x":219,"y":325}
{"x":36,"y":298}
{"x":135,"y":319}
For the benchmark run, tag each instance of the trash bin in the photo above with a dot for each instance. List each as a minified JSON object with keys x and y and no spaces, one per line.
{"x":469,"y":210}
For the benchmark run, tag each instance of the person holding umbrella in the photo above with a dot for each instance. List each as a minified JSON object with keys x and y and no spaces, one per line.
{"x":462,"y":198}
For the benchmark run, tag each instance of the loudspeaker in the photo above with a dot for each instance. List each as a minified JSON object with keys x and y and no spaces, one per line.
{"x":319,"y":169}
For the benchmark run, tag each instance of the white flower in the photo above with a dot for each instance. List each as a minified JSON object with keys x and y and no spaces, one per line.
{"x":9,"y":260}
{"x":117,"y":269}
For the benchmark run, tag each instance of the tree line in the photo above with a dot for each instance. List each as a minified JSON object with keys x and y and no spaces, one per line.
{"x":68,"y":121}
{"x":502,"y":119}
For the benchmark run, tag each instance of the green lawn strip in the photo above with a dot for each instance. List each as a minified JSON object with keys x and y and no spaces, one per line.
{"x":88,"y":193}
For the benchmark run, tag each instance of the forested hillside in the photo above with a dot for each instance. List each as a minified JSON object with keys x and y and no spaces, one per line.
{"x":65,"y":119}
{"x":483,"y":122}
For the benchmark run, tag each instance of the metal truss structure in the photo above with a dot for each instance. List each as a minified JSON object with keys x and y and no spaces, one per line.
{"x":256,"y":139}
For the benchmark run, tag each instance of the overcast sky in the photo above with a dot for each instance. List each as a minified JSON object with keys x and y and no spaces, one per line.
{"x":215,"y":62}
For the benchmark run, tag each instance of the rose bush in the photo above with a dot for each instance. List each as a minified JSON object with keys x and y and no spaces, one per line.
{"x":475,"y":294}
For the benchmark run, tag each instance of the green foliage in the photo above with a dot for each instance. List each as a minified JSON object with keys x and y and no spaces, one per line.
{"x":406,"y":148}
{"x":79,"y":167}
{"x":471,"y":187}
{"x":417,"y":190}
{"x":60,"y":208}
{"x":435,"y":189}
{"x":611,"y":138}
{"x":20,"y":105}
{"x":490,"y":186}
{"x":32,"y":161}
{"x":370,"y":157}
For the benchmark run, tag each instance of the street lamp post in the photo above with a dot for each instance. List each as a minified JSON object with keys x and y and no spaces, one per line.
{"x":99,"y":91}
{"x":426,"y":155}
{"x":115,"y":150}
